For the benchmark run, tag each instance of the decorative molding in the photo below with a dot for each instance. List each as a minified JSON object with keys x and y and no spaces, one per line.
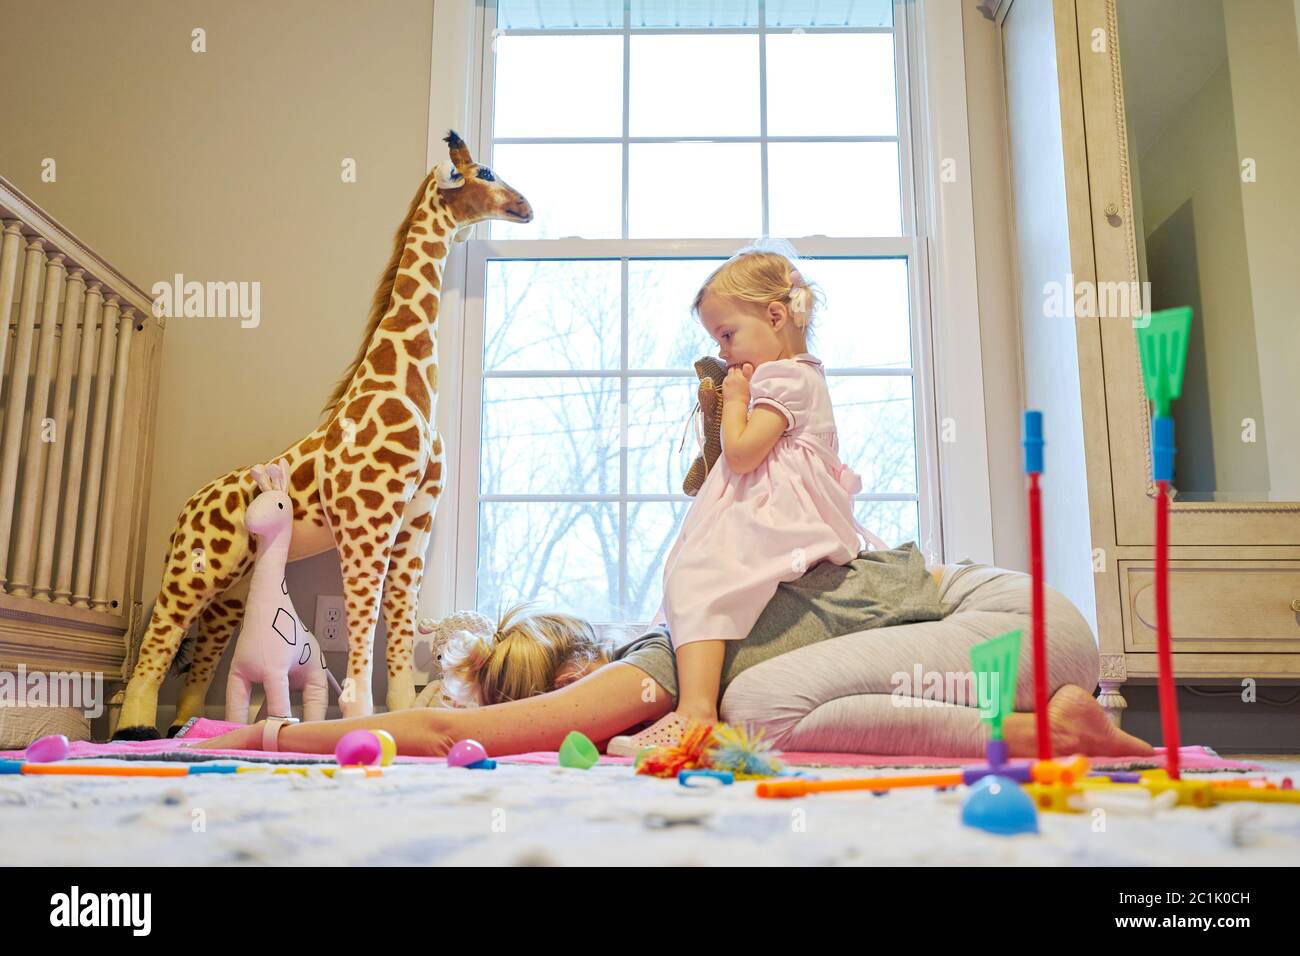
{"x":41,"y":226}
{"x":1113,"y":668}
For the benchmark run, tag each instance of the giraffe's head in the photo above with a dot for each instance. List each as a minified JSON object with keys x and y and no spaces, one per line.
{"x":272,"y":510}
{"x":473,"y":193}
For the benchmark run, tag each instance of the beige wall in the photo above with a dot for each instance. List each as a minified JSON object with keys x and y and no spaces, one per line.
{"x":225,"y":165}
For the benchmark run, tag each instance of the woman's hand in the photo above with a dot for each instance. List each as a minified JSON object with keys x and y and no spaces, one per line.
{"x":735,"y":387}
{"x":241,"y":738}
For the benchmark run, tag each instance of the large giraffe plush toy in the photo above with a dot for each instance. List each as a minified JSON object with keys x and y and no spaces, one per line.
{"x":364,"y":482}
{"x":274,"y":648}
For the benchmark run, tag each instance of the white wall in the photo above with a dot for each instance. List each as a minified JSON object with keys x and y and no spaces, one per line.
{"x":1264,"y":59}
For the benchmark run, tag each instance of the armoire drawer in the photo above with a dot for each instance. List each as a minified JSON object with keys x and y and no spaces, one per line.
{"x":1215,"y":606}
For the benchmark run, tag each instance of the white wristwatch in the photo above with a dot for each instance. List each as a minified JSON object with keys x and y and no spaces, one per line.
{"x":271,"y":732}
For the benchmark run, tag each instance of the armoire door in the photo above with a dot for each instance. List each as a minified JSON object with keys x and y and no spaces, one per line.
{"x":1192,"y":123}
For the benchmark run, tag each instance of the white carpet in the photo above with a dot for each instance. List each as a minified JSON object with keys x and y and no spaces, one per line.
{"x":538,"y":815}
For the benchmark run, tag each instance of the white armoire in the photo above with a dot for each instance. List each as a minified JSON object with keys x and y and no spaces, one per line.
{"x":1155,"y":141}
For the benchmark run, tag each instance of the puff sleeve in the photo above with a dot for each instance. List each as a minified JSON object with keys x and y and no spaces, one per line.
{"x":781,"y":386}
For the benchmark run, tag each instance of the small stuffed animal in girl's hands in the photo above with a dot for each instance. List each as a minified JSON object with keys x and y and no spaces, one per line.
{"x":275,"y":649}
{"x":711,"y":371}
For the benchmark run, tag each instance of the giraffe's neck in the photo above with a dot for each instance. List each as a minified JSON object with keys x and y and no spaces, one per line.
{"x":272,"y":553}
{"x":402,"y":352}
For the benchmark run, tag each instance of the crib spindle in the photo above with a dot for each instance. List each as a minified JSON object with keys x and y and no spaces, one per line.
{"x":13,"y":238}
{"x":80,"y":433}
{"x":36,"y":450}
{"x":95,"y":463}
{"x":61,"y":413}
{"x":100,"y":599}
{"x":17,"y":405}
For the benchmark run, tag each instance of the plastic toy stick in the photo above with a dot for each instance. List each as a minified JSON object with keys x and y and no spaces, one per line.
{"x":78,"y":769}
{"x":1020,"y":772}
{"x":799,"y":788}
{"x":88,"y":770}
{"x":1033,"y":445}
{"x":1162,"y":347}
{"x":996,"y":664}
{"x":1164,"y":651}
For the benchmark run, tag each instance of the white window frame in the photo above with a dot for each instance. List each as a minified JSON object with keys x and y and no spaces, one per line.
{"x":952,"y":477}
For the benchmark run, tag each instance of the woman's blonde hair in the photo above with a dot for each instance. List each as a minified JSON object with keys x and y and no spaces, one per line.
{"x":759,"y":274}
{"x":522,"y":658}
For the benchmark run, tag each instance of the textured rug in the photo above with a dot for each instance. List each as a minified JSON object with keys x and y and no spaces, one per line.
{"x":522,"y":814}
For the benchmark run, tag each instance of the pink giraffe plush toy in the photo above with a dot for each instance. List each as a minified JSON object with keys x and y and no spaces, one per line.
{"x":274,"y":648}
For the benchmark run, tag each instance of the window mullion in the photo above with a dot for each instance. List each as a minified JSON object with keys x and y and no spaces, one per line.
{"x":762,"y":112}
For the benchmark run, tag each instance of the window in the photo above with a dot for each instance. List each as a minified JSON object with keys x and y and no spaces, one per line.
{"x":653,"y":140}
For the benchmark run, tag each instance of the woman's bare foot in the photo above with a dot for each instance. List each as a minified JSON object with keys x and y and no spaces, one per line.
{"x":1079,"y":726}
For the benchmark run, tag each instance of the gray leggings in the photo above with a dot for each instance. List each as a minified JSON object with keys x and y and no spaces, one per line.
{"x":838,"y":695}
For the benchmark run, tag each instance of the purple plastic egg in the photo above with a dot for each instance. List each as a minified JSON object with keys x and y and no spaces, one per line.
{"x":358,"y":747}
{"x":48,"y":749}
{"x":465,"y":752}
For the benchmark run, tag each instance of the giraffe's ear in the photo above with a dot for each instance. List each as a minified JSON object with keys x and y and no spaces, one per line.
{"x":447,"y":175}
{"x":284,"y":474}
{"x":276,"y":474}
{"x":259,"y":476}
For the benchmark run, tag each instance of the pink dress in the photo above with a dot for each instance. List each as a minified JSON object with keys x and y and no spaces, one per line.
{"x":745,"y":534}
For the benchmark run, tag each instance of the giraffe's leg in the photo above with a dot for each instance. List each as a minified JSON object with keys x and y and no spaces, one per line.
{"x":238,"y":689}
{"x":209,"y":552}
{"x":364,"y":541}
{"x":278,"y":702}
{"x":217,"y":623}
{"x":364,"y":506}
{"x":315,"y":693}
{"x":402,"y":585}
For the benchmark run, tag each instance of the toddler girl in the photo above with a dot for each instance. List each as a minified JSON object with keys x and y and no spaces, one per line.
{"x":777,"y":501}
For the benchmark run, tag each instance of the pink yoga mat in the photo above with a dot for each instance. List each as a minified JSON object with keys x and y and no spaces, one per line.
{"x":1193,"y":758}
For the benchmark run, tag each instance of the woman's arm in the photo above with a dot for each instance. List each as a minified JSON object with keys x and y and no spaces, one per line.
{"x":606,"y":702}
{"x":413,"y":731}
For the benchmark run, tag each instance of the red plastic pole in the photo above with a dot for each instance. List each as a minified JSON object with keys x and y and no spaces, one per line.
{"x":1044,"y":730}
{"x":1168,"y":696}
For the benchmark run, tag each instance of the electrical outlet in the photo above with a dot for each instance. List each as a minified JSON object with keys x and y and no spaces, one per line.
{"x":331,"y":629}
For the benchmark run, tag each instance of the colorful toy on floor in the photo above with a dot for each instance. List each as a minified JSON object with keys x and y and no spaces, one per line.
{"x":387,"y":747}
{"x":998,"y":805}
{"x":471,"y":755}
{"x":704,"y":746}
{"x":689,"y":753}
{"x":745,"y":755}
{"x":578,"y":752}
{"x":48,"y":749}
{"x":722,"y":778}
{"x":1020,"y":772}
{"x":1162,"y":347}
{"x":275,"y":649}
{"x":1033,"y":445}
{"x":1081,"y":794}
{"x":358,"y":748}
{"x":81,"y":769}
{"x":995,"y":663}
